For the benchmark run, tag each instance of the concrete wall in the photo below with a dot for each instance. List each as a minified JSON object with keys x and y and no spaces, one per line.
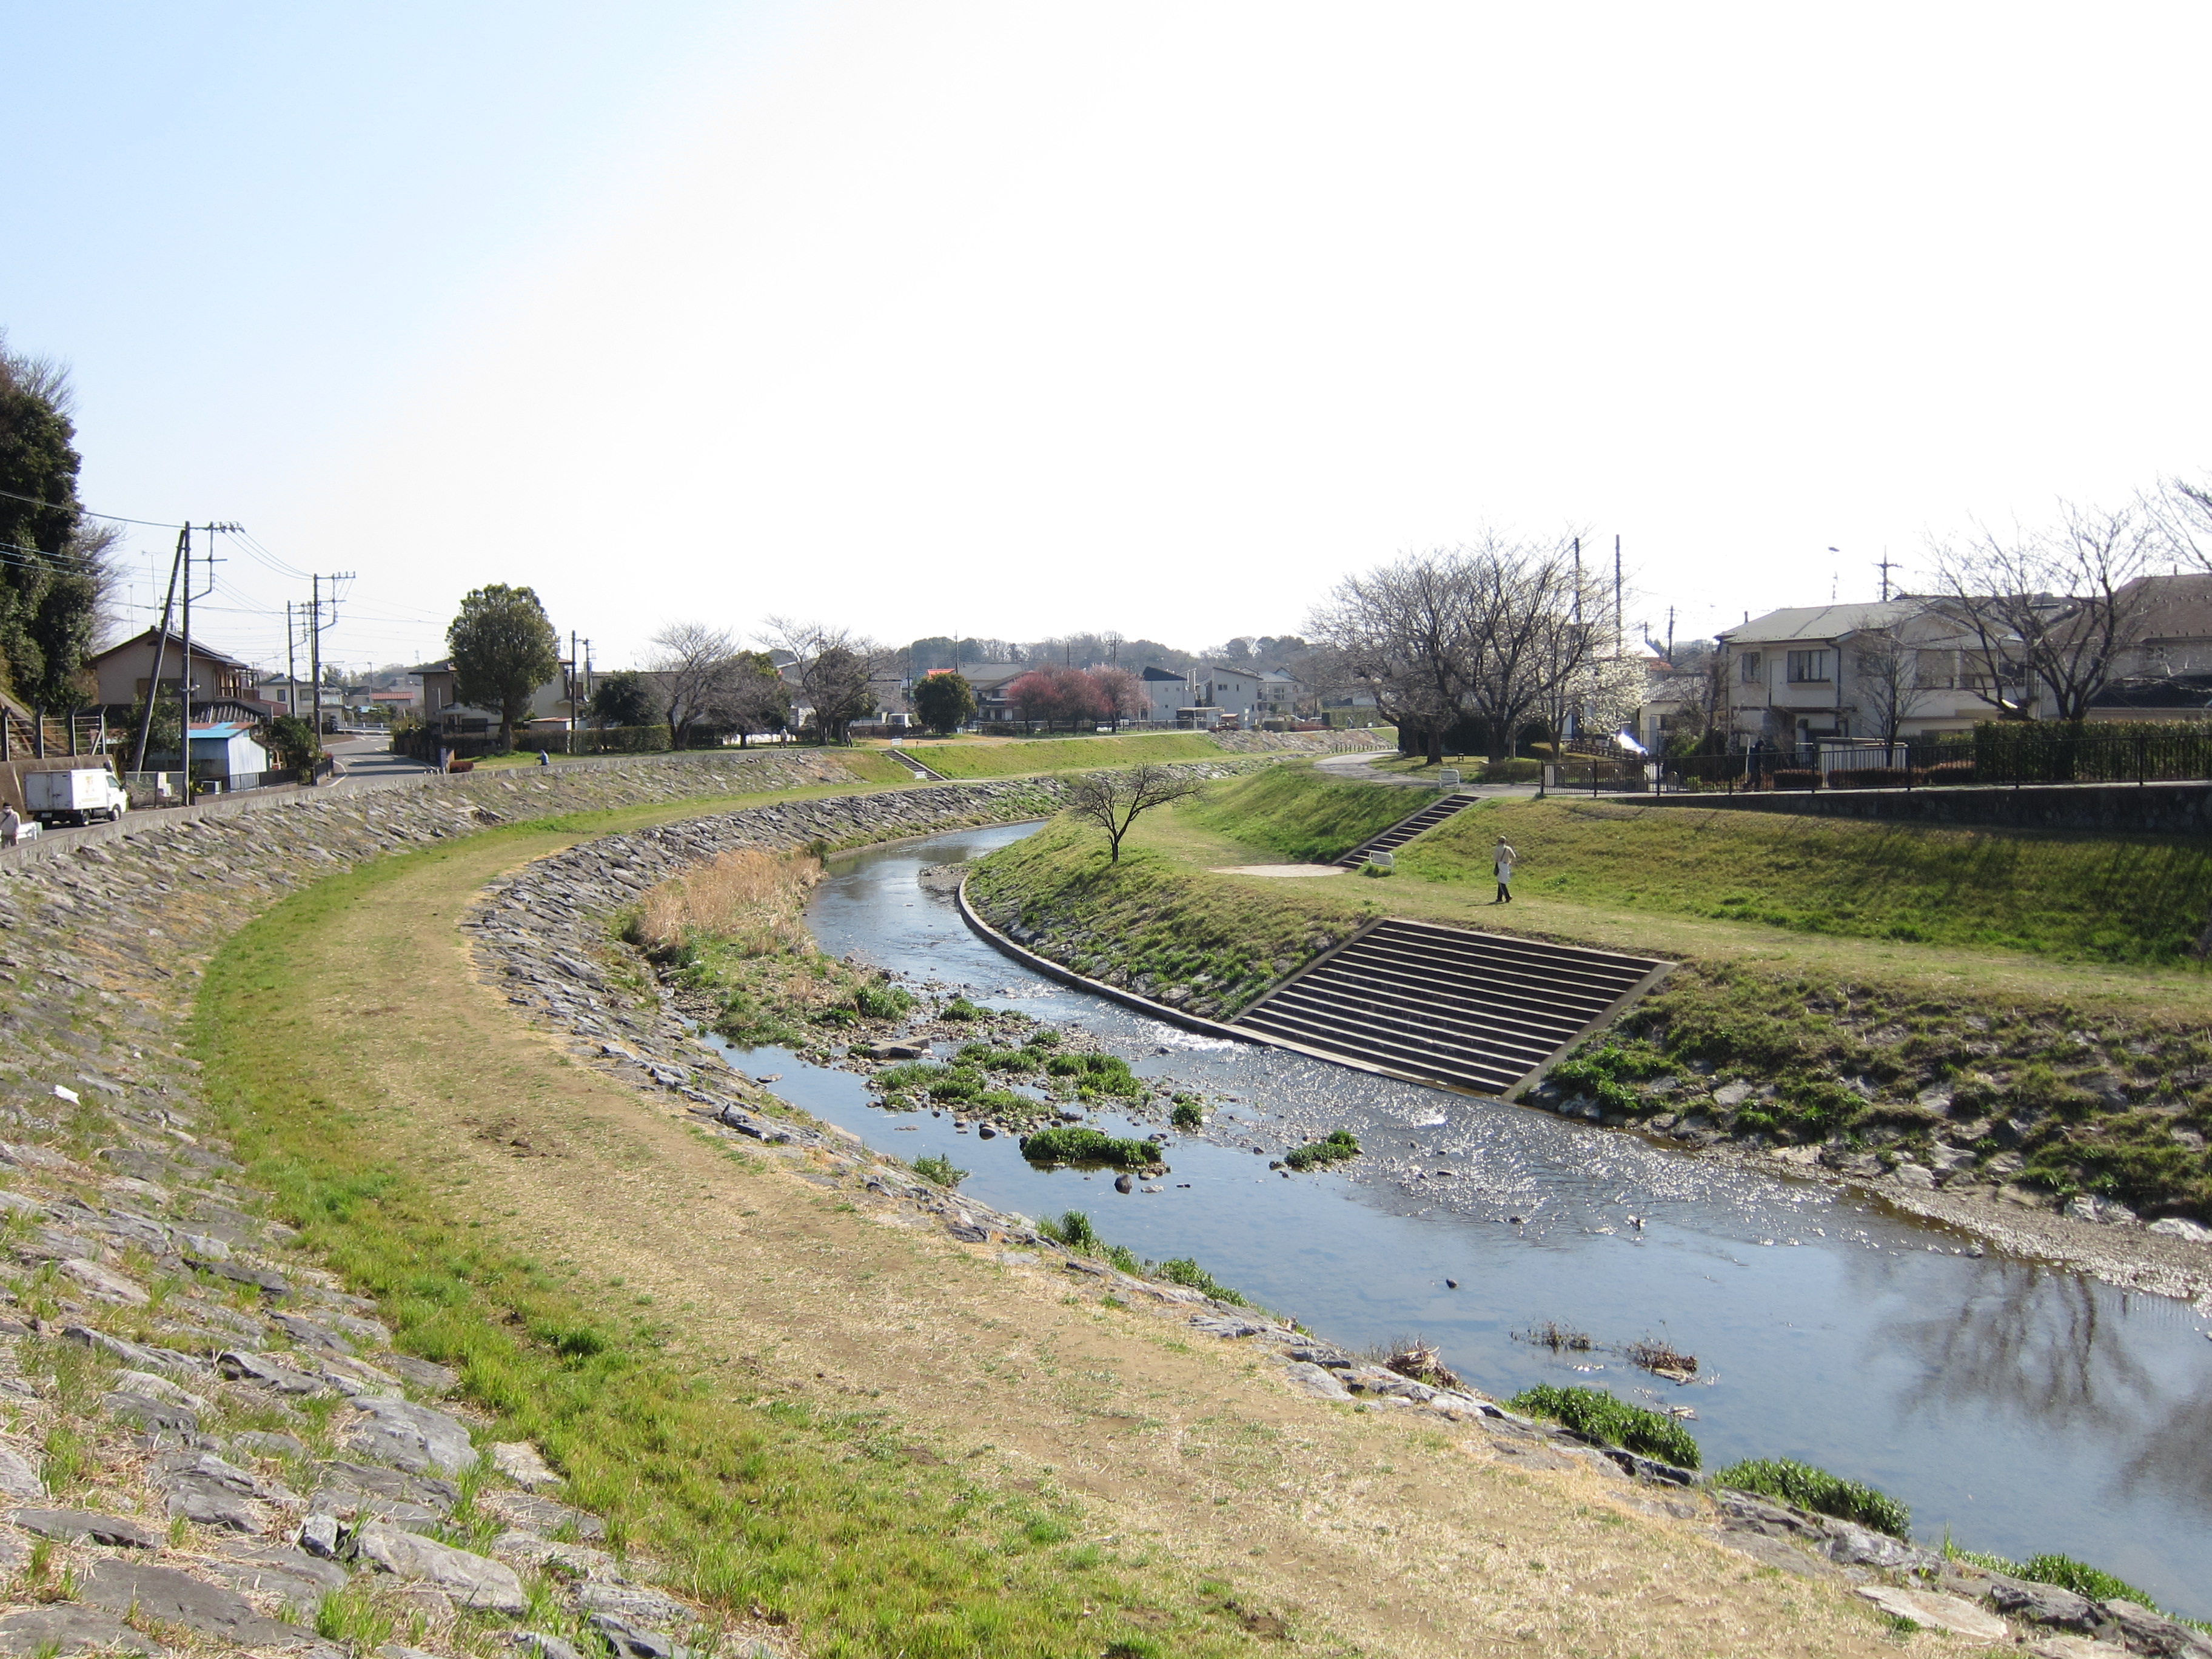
{"x":2122,"y":808}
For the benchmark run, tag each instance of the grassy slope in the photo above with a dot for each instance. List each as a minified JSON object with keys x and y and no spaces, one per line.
{"x":1006,"y":760}
{"x":817,"y":1513}
{"x":1811,"y":1010}
{"x":1295,"y":812}
{"x":2105,"y":898}
{"x":1148,"y":916}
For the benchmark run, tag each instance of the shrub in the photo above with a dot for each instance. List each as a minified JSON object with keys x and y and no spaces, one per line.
{"x":1187,"y":1114}
{"x":1075,"y":1144}
{"x":1339,"y":1147}
{"x":1073,"y":1230}
{"x":956,"y":1084}
{"x":1595,"y":1415}
{"x":939,"y":1170}
{"x":1184,"y":1271}
{"x":1808,"y":1488}
{"x":1790,"y":777}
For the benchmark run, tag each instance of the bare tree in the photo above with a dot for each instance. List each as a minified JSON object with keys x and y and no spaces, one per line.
{"x":1886,"y":675}
{"x":2183,"y":512}
{"x":834,"y":670}
{"x":1529,"y":610}
{"x":2048,"y":613}
{"x":1401,"y":632}
{"x":692,"y":662}
{"x":1112,"y":801}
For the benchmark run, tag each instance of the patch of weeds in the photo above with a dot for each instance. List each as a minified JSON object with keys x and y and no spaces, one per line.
{"x":351,"y":1618}
{"x":939,"y":1170}
{"x":1184,"y":1271}
{"x":1339,"y":1146}
{"x":960,"y":1009}
{"x":881,"y":1001}
{"x":2081,"y":1578}
{"x":1073,"y":1230}
{"x":1809,"y":1488}
{"x":1595,"y":1414}
{"x":1188,"y":1115}
{"x":1076,"y":1145}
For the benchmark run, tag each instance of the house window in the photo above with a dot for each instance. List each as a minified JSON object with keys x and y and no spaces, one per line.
{"x":1808,"y":667}
{"x":1751,"y":668}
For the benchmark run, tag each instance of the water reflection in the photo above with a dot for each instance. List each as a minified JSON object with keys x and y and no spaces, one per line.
{"x":1826,"y":1330}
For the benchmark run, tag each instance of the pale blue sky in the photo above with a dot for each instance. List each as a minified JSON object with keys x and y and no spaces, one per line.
{"x":1017,"y":317}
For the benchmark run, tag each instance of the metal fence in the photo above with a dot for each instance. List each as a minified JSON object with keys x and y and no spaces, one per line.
{"x":2002,"y":754}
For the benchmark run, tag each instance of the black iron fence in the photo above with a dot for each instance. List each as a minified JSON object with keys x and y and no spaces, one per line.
{"x":2002,"y":753}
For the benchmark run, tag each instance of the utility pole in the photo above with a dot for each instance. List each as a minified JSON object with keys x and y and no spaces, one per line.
{"x":291,"y":667}
{"x":1619,"y":641}
{"x":575,"y":678}
{"x":1670,"y":636}
{"x":587,"y":668}
{"x":160,"y":648}
{"x":1885,"y":567}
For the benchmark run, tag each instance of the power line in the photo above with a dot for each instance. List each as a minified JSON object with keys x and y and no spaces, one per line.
{"x":72,"y":506}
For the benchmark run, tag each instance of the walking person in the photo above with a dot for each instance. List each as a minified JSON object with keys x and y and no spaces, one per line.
{"x":1505,"y":856}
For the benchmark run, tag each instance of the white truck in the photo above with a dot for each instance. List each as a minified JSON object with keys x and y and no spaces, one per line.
{"x":87,"y":794}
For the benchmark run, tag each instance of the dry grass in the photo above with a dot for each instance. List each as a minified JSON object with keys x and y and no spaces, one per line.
{"x":752,"y":900}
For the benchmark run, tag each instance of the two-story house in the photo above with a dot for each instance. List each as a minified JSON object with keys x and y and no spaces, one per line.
{"x":1795,"y":678}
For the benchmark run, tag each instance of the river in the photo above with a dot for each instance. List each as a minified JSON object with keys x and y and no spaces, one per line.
{"x":2019,"y":1408}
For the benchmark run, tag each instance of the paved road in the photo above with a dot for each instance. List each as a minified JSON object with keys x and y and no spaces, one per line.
{"x":1358,"y":768}
{"x":370,"y":758}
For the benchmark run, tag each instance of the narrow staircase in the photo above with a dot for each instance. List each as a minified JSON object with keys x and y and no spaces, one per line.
{"x":1404,"y":829}
{"x":1485,"y":1013}
{"x":915,"y":766}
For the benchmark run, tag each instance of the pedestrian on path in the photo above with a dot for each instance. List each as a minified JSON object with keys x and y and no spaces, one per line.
{"x":1505,"y":857}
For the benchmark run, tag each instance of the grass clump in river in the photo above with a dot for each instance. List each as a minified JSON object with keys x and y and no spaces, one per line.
{"x":1808,"y":1488}
{"x":1340,"y":1146}
{"x":1073,"y":1144}
{"x":1596,"y":1415}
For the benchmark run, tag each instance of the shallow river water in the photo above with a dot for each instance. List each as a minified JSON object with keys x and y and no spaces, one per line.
{"x":2020,"y":1408}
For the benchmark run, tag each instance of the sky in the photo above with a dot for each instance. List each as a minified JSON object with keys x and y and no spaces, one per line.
{"x":1027,"y":318}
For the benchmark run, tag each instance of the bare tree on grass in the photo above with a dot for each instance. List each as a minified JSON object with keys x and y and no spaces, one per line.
{"x":2051,"y":610}
{"x":1114,"y":800}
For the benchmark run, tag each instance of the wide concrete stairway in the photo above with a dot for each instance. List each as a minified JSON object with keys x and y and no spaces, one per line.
{"x":1404,"y":829}
{"x":1480,"y":1012}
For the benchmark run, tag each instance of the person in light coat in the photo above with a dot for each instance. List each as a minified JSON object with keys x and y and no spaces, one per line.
{"x":1505,"y":856}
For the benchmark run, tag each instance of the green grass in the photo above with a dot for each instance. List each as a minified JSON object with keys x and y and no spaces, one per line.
{"x":811,"y":1511}
{"x":1007,"y":760}
{"x":1597,"y":1415}
{"x":1340,"y":1146}
{"x":2066,"y":1573}
{"x":1808,"y":1488}
{"x":2133,"y":899}
{"x":1073,"y":1144}
{"x":1295,"y":812}
{"x":1146,"y":916}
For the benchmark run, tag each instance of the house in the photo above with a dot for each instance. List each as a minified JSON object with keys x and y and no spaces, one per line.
{"x":1281,"y":696}
{"x":1165,"y":692}
{"x":1234,"y":691}
{"x":1796,"y":676}
{"x":446,"y":715}
{"x":989,"y":681}
{"x":222,"y":687}
{"x":2166,"y":674}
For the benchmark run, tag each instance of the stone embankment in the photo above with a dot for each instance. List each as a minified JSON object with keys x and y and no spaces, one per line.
{"x":208,"y":1437}
{"x":543,"y":938}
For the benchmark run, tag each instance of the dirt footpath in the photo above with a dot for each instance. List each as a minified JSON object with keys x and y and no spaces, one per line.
{"x":1350,"y":1526}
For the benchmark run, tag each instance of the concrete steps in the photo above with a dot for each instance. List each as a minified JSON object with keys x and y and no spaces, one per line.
{"x":915,"y":766}
{"x":1486,"y":1012}
{"x":1405,"y":828}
